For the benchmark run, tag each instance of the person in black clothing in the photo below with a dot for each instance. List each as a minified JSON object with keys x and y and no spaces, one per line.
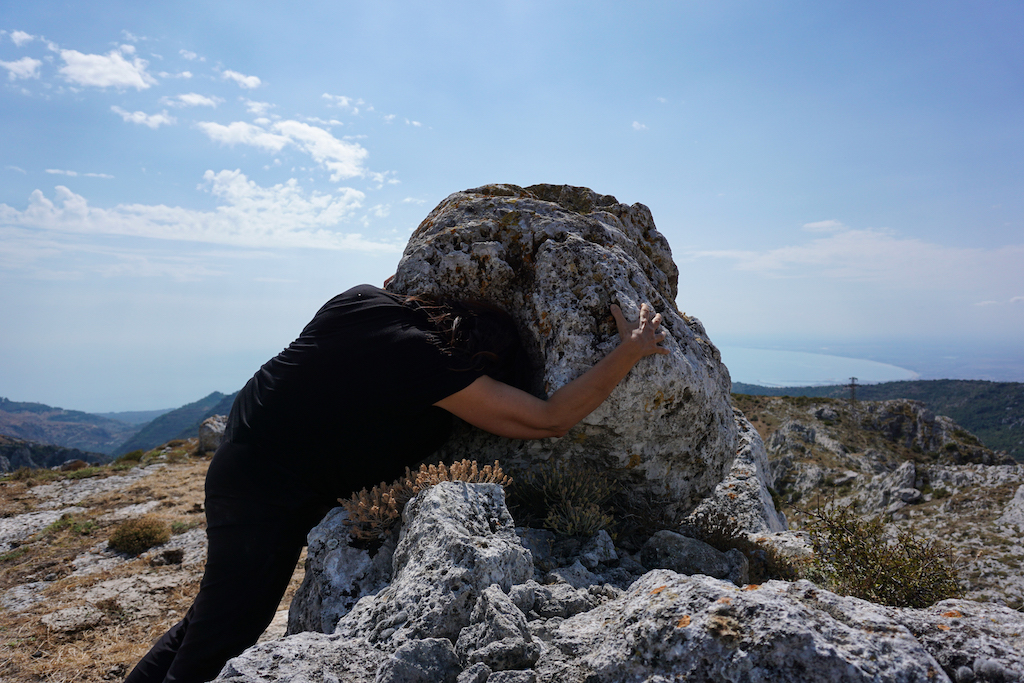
{"x":368,"y":388}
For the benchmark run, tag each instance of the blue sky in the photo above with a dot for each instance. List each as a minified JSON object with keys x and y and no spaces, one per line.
{"x":184,"y":184}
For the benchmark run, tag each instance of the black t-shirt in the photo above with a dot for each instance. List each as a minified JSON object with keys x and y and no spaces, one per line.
{"x":349,"y":403}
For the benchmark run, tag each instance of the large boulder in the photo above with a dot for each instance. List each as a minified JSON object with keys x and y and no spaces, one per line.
{"x":556,"y":257}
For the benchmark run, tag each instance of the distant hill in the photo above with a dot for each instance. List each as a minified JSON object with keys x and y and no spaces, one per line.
{"x":67,"y":428}
{"x":135,"y":417}
{"x":180,"y":423}
{"x":992,"y":411}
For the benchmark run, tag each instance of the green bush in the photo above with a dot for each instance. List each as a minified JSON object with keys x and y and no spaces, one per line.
{"x":68,"y":522}
{"x":857,"y":557}
{"x":567,"y":498}
{"x":131,"y":456}
{"x":138,"y":535}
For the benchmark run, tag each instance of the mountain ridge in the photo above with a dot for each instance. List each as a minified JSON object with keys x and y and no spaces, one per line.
{"x":992,"y":411}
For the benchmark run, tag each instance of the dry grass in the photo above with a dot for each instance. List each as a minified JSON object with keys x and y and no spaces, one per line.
{"x":29,"y":651}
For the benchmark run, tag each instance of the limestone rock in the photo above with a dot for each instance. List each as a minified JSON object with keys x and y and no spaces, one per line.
{"x":670,"y":627}
{"x":211,"y":433}
{"x":336,"y":576}
{"x":986,"y":639}
{"x":310,"y":657}
{"x":1013,"y":514}
{"x":598,"y":550}
{"x":431,"y":660}
{"x":73,"y":619}
{"x":743,"y":494}
{"x":556,"y":258}
{"x":669,"y":550}
{"x":457,"y":540}
{"x":498,"y":635}
{"x":458,"y":579}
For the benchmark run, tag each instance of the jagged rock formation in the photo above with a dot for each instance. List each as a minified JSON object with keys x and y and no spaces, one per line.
{"x":462,"y":606}
{"x":744,"y":494}
{"x":16,"y":453}
{"x":556,"y":257}
{"x":897,"y":459}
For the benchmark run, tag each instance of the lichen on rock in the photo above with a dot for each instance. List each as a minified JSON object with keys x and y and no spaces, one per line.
{"x":556,"y":257}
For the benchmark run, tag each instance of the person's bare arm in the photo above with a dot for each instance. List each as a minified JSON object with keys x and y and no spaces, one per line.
{"x":506,"y":411}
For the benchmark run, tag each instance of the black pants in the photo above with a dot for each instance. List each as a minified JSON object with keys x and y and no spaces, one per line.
{"x":256,"y":528}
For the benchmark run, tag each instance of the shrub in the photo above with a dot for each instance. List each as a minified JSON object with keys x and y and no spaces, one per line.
{"x":131,"y":456}
{"x":138,"y":535}
{"x":68,"y":522}
{"x":568,"y":498}
{"x":859,"y":558}
{"x":371,"y":514}
{"x":84,"y":473}
{"x":721,"y":532}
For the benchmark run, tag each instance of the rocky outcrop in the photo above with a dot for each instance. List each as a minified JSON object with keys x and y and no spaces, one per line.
{"x":457,"y":540}
{"x":461,"y":607}
{"x":912,"y":425}
{"x":556,"y":257}
{"x":211,"y":433}
{"x":744,"y":494}
{"x":16,"y":453}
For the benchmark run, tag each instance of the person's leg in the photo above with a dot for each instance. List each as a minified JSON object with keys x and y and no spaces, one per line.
{"x":253,"y":548}
{"x":247,"y":573}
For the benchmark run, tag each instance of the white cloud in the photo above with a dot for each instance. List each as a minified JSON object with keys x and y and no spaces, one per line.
{"x":344,"y":159}
{"x":240,"y":132}
{"x":16,"y":168}
{"x":1017,"y":300}
{"x":341,"y":157}
{"x":153,"y":121}
{"x":182,"y":74}
{"x":190,"y":56}
{"x":350,"y":103}
{"x":257,"y":108}
{"x":249,"y":216}
{"x":413,"y":200}
{"x":987,"y":303}
{"x":26,"y":67}
{"x":415,"y":124}
{"x":128,"y":49}
{"x":20,"y":37}
{"x":639,"y":126}
{"x":102,"y":71}
{"x":881,"y":257}
{"x":322,"y":122}
{"x":57,"y":171}
{"x":388,"y":118}
{"x":191,"y":100}
{"x":824,"y":226}
{"x":661,"y":99}
{"x":247,"y":82}
{"x":131,"y":36}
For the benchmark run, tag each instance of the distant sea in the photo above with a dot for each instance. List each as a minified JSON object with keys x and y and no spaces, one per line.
{"x":772,"y":368}
{"x":810,"y":362}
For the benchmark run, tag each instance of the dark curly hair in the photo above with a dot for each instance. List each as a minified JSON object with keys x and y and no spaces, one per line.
{"x":479,"y":335}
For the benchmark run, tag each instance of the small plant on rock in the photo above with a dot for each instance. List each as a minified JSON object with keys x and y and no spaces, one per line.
{"x":371,"y":514}
{"x":862,"y":559}
{"x":568,"y":498}
{"x":135,"y":536}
